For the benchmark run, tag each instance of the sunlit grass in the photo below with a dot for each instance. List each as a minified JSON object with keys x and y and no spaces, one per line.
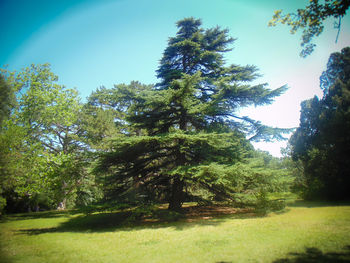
{"x":69,"y":237}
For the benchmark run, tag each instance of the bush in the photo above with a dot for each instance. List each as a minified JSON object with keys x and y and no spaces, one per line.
{"x":141,"y":212}
{"x":264,"y":205}
{"x":168,"y":215}
{"x":2,"y":204}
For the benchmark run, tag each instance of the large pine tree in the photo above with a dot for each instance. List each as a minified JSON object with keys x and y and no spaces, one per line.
{"x":188,"y":131}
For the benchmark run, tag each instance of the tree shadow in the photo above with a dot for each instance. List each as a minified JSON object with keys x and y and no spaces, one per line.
{"x":314,"y":255}
{"x":37,"y":215}
{"x":129,"y":221}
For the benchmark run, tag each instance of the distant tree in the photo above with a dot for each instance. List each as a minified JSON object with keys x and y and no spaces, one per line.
{"x":295,"y":170}
{"x":322,"y":142}
{"x":311,"y":20}
{"x":188,"y":131}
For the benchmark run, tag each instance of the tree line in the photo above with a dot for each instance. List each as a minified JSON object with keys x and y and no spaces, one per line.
{"x":179,"y":140}
{"x":322,"y":141}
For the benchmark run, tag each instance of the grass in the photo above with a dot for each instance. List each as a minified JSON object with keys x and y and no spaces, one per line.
{"x":305,"y":232}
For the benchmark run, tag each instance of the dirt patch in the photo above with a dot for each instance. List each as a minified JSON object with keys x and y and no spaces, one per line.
{"x":193,"y":213}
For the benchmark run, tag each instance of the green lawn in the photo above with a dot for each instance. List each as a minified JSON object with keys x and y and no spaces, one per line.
{"x":306,"y":232}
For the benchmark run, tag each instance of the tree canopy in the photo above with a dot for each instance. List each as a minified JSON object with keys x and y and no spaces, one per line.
{"x":179,"y":140}
{"x":42,"y":148}
{"x":322,"y":141}
{"x":189,"y":133}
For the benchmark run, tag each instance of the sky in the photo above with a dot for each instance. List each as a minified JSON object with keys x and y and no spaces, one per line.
{"x":93,"y":43}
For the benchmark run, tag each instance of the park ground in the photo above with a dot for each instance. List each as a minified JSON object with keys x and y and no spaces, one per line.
{"x":303,"y":232}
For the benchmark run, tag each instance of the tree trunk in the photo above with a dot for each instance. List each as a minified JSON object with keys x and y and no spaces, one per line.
{"x":177,"y":195}
{"x":62,"y":205}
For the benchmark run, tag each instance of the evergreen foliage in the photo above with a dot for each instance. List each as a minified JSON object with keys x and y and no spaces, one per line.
{"x":188,"y":129}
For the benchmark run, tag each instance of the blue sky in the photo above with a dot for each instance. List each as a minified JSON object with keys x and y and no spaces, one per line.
{"x":91,"y":43}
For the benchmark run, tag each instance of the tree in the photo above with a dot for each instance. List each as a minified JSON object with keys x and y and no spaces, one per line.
{"x":322,"y":141}
{"x":105,"y":113}
{"x":188,"y":131}
{"x":6,"y":99}
{"x":48,"y":151}
{"x":311,"y":20}
{"x":20,"y":179}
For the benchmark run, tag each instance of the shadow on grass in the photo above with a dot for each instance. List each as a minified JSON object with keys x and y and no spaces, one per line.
{"x":37,"y":215}
{"x":314,"y":255}
{"x":129,"y":221}
{"x":311,"y":204}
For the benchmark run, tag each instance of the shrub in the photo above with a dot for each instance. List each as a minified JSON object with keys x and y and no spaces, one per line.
{"x":2,"y":204}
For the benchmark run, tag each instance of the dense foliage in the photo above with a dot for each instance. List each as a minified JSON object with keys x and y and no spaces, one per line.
{"x":185,"y":132}
{"x":179,"y":140}
{"x":43,"y":154}
{"x":322,"y":142}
